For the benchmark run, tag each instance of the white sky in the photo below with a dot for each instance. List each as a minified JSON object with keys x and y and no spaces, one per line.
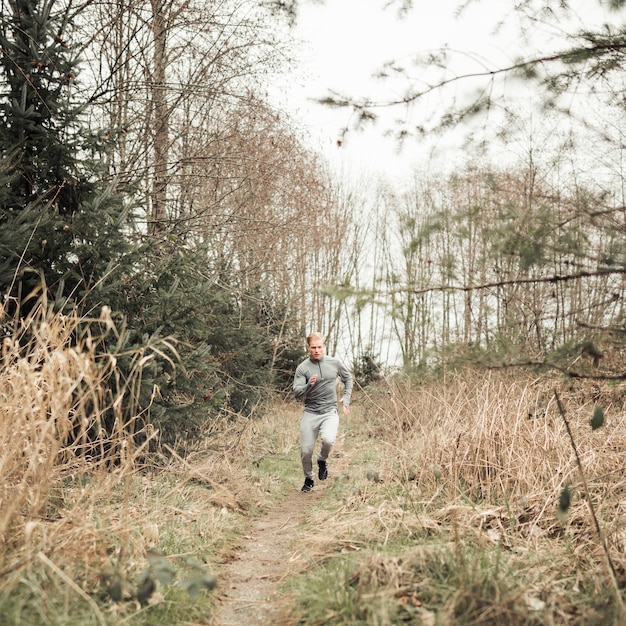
{"x":345,"y":41}
{"x":351,"y":39}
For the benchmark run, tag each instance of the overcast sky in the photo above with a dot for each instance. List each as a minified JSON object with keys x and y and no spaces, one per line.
{"x":345,"y":41}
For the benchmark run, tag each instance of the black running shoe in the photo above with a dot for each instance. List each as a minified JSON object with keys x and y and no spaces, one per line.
{"x":322,"y":473}
{"x":308,"y":485}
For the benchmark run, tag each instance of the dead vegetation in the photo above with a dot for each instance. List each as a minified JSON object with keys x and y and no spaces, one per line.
{"x":94,"y":527}
{"x":442,"y":506}
{"x":451,"y":513}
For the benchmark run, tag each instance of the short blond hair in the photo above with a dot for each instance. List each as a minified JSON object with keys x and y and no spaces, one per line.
{"x":313,"y":337}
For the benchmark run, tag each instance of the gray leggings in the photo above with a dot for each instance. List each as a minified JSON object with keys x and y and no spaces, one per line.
{"x":312,"y":424}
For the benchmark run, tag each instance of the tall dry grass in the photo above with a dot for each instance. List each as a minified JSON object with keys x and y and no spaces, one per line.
{"x":83,"y":506}
{"x":499,"y":437}
{"x":67,"y":422}
{"x":454,"y":484}
{"x":53,"y":396}
{"x":68,"y":433}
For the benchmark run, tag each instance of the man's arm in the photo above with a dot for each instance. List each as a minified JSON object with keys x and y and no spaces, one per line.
{"x":300,"y":385}
{"x":348,"y":381}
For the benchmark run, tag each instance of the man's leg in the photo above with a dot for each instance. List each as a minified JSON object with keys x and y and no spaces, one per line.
{"x":309,"y":429}
{"x":328,"y":430}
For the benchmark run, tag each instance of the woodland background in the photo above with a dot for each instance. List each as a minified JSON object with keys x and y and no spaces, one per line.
{"x":168,"y":236}
{"x":146,"y":171}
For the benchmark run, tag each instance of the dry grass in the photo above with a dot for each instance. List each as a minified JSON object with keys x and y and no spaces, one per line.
{"x":81,"y":508}
{"x":445,"y":509}
{"x":497,"y":440}
{"x":51,"y":398}
{"x":474,"y":466}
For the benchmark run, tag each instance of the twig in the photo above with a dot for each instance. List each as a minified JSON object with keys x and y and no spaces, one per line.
{"x":612,"y":572}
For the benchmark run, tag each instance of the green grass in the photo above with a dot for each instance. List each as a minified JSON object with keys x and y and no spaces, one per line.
{"x":436,"y":583}
{"x":34,"y":601}
{"x":278,"y":474}
{"x":440,"y":578}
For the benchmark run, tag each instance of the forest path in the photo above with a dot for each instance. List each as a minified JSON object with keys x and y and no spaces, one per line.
{"x":269,"y":553}
{"x":250,"y":582}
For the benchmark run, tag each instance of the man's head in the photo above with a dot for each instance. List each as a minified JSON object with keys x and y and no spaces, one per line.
{"x":316,"y":346}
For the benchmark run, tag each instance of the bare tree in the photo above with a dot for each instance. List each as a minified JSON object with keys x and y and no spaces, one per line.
{"x":159,"y":69}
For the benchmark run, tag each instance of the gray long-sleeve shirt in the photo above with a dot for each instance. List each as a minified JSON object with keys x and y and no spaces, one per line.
{"x":322,"y":396}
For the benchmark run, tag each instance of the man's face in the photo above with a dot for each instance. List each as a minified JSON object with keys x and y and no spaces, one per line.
{"x":316,"y":349}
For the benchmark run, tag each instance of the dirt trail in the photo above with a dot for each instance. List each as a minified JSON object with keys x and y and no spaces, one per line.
{"x":248,"y":591}
{"x":248,"y":594}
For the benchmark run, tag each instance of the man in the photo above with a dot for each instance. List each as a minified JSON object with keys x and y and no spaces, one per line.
{"x":315,"y":382}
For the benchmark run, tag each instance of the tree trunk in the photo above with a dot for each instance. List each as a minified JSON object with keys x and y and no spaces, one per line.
{"x":161,"y":119}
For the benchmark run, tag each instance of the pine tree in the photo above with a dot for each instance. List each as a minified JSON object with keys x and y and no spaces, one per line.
{"x":60,"y":228}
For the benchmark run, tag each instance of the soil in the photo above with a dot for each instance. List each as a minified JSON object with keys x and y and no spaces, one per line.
{"x":249,"y":590}
{"x":249,"y":594}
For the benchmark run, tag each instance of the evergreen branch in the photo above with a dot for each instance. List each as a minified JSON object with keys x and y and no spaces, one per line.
{"x":608,"y":329}
{"x":559,"y":368}
{"x":600,"y":47}
{"x":555,"y":278}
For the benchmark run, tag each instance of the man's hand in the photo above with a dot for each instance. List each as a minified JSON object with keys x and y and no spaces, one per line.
{"x":312,"y":380}
{"x":346,"y":409}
